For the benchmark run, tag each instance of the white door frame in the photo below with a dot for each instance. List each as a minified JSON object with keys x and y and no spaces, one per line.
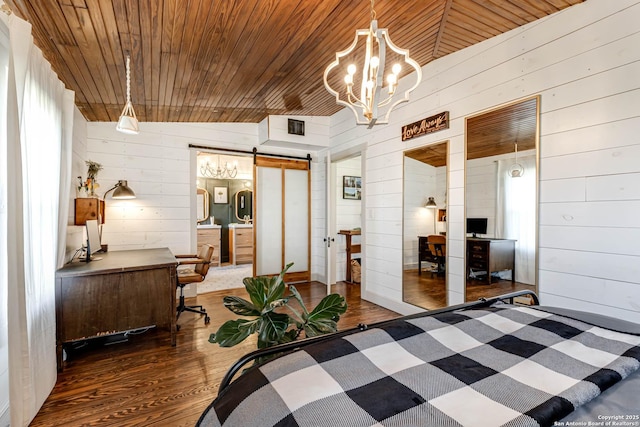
{"x":333,"y":158}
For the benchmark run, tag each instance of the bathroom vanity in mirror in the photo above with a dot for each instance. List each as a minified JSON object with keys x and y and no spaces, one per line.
{"x":240,"y":244}
{"x":210,"y":234}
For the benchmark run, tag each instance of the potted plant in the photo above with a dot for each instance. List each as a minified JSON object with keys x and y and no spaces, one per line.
{"x":266,"y":314}
{"x":92,"y":173}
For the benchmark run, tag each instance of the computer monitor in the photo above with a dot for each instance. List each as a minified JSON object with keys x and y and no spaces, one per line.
{"x":93,"y":239}
{"x":477,"y":226}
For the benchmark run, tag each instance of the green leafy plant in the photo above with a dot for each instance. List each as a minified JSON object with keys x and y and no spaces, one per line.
{"x":92,"y":169}
{"x":266,"y":314}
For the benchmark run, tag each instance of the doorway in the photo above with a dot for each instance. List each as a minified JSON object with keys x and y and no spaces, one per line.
{"x":346,"y":185}
{"x":224,"y":192}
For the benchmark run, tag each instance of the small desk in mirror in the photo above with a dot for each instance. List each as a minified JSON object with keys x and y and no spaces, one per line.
{"x":490,"y":256}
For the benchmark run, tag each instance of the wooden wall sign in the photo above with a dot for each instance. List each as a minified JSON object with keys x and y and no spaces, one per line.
{"x":422,"y":127}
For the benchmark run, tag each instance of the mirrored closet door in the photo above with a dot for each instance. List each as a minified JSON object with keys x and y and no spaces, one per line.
{"x":501,"y":199}
{"x":424,"y":226}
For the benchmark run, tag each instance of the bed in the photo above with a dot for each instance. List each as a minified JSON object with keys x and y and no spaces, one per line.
{"x":487,"y":363}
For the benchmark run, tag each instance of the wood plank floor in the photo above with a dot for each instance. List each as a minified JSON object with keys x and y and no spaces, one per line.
{"x":146,"y":382}
{"x":429,"y":291}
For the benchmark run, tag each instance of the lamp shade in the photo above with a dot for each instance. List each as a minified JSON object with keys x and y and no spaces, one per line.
{"x":121,"y":191}
{"x":431,"y":203}
{"x":128,"y":124}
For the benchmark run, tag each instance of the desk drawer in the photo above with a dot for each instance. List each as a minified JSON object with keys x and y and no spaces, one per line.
{"x":478,"y":265}
{"x":478,"y":247}
{"x":477,"y":256}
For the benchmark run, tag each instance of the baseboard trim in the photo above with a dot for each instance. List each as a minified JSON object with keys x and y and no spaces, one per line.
{"x":399,"y":307}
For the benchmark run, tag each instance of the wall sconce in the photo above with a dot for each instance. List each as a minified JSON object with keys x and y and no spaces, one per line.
{"x":122,"y":191}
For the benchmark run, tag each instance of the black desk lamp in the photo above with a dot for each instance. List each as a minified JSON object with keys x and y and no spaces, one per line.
{"x":431,"y":204}
{"x":122,"y":191}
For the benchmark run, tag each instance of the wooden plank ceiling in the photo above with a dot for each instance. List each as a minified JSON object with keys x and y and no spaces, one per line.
{"x":239,"y":61}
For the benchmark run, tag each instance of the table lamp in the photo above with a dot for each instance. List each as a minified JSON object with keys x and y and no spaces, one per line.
{"x":122,"y":191}
{"x":431,"y":204}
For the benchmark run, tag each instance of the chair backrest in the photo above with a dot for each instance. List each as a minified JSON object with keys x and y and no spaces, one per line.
{"x":206,"y":252}
{"x":437,"y":244}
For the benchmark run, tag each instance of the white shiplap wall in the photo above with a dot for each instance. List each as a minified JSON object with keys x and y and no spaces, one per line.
{"x":419,"y":184}
{"x":158,"y":166}
{"x":585,"y":64}
{"x":75,"y":234}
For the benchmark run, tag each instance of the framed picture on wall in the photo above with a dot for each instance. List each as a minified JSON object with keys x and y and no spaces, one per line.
{"x":220,"y":195}
{"x":351,"y":187}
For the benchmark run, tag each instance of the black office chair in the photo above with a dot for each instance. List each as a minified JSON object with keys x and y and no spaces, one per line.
{"x":198,"y":266}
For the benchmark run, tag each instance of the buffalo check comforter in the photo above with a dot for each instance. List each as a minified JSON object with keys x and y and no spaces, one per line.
{"x":511,"y":366}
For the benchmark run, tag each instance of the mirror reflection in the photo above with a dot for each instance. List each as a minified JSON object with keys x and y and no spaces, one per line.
{"x":501,"y":199}
{"x":424,"y":226}
{"x":244,"y":206}
{"x":202,"y":204}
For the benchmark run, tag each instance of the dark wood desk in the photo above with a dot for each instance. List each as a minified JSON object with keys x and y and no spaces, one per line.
{"x":491,"y":255}
{"x":351,"y":249}
{"x":123,"y":291}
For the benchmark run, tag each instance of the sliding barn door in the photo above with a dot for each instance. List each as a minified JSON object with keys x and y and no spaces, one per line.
{"x":282,"y":218}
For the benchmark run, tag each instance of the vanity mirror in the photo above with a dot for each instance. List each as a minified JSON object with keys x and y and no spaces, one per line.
{"x":501,"y":199}
{"x":202,"y":204}
{"x":244,"y":205}
{"x":424,"y":278}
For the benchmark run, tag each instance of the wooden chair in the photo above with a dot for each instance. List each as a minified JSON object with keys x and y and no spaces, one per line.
{"x":437,"y":247}
{"x":196,"y":271}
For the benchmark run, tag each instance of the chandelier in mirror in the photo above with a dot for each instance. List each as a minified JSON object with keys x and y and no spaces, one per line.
{"x":373,"y":104}
{"x":219,"y":171}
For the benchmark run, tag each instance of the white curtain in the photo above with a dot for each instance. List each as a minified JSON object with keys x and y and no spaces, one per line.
{"x":39,"y":126}
{"x":516,"y":214}
{"x":4,"y":327}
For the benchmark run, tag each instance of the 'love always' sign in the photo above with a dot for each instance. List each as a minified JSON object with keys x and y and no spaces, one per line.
{"x":422,"y":127}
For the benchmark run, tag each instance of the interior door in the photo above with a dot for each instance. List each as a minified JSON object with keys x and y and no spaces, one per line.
{"x":329,"y":241}
{"x":282,"y":221}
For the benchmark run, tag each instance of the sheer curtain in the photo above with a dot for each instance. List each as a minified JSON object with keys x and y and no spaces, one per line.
{"x":516,"y":214}
{"x":39,"y":114}
{"x":4,"y":327}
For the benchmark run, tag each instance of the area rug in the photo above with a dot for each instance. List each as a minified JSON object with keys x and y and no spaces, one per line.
{"x":227,"y":277}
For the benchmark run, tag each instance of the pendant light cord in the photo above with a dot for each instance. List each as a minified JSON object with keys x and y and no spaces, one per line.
{"x":128,"y":80}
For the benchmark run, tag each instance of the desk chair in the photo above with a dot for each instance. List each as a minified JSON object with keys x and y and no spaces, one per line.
{"x":437,"y":247}
{"x":198,"y":266}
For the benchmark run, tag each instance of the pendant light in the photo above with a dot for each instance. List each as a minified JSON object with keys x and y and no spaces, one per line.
{"x":516,"y":170}
{"x":128,"y":122}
